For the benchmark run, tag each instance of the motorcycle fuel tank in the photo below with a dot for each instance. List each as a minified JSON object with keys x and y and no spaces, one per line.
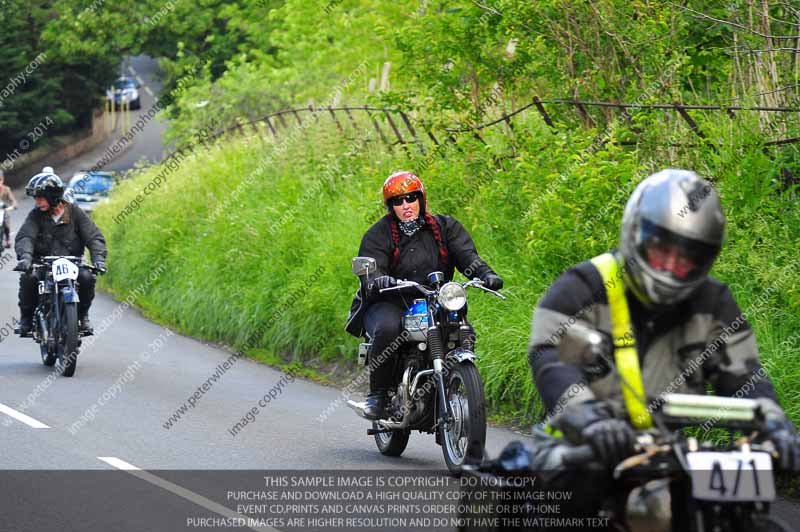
{"x":415,"y":320}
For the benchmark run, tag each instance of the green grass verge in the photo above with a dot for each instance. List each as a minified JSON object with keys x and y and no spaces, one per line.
{"x":263,"y":264}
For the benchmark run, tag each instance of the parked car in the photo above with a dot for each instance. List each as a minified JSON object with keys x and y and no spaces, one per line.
{"x":125,"y":90}
{"x":90,"y":189}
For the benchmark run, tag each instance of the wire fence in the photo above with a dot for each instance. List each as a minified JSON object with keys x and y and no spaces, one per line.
{"x":395,"y":128}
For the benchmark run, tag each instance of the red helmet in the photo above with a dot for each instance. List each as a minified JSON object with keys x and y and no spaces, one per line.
{"x":400,"y":183}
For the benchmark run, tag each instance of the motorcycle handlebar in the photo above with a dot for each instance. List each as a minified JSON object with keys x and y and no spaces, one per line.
{"x":580,"y":454}
{"x":477,"y":283}
{"x":79,"y":260}
{"x":405,"y":284}
{"x":68,"y":257}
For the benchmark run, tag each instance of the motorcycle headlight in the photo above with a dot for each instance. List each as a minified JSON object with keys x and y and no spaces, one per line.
{"x":452,"y":296}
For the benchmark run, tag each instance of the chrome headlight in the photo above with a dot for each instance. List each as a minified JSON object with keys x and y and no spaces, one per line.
{"x":452,"y":296}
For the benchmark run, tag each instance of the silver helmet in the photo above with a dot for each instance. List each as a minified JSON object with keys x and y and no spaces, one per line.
{"x":672,"y":232}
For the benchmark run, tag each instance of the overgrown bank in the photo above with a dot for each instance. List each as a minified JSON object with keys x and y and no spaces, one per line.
{"x":239,"y":247}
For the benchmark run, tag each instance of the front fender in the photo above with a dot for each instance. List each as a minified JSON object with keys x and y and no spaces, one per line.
{"x":70,"y":295}
{"x":459,"y":354}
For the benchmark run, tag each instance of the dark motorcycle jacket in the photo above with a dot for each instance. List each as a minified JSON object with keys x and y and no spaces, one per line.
{"x":704,"y":340}
{"x":419,"y":256}
{"x":40,"y":236}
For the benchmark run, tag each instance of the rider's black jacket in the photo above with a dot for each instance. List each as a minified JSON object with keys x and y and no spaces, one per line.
{"x":419,"y":256}
{"x":704,"y":340}
{"x":40,"y":236}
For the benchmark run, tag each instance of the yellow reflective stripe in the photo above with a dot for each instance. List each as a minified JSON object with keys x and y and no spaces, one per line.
{"x":626,"y":355}
{"x":553,"y":432}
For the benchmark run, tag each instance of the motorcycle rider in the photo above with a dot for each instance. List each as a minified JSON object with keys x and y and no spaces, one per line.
{"x":7,"y":197}
{"x":407,"y":243}
{"x":687,"y":332}
{"x":55,"y":227}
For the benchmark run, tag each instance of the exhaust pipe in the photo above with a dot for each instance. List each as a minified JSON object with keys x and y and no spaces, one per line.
{"x":390,"y":423}
{"x":357,"y":407}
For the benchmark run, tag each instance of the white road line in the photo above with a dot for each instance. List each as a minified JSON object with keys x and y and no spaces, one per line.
{"x":148,"y":91}
{"x":140,"y":80}
{"x":131,"y":70}
{"x":119,"y":464}
{"x":19,"y":416}
{"x":189,"y":495}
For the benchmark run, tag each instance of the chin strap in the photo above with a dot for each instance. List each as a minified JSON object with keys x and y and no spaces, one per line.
{"x":626,"y":356}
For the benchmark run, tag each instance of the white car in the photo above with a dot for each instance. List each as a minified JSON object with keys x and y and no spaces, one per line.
{"x":125,"y":91}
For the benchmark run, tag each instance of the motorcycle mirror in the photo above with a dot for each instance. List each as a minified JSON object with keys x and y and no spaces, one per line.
{"x":582,"y":346}
{"x":363,"y":266}
{"x":435,"y":278}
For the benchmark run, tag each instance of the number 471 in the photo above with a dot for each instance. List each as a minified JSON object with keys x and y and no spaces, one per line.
{"x":717,"y":481}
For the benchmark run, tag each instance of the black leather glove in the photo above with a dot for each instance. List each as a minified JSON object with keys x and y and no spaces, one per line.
{"x":100,"y":265}
{"x":23,"y":265}
{"x":612,"y":439}
{"x":784,"y":436}
{"x":492,"y":281}
{"x":384,"y":281}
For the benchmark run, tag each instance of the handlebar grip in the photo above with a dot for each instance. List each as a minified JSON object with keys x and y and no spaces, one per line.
{"x":578,"y":455}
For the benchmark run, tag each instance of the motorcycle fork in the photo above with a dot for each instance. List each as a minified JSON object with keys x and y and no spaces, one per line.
{"x":436,"y":347}
{"x":56,"y":322}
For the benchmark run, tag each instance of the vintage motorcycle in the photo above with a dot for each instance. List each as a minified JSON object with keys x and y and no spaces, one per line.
{"x":55,"y":320}
{"x":437,"y":388}
{"x":675,"y":482}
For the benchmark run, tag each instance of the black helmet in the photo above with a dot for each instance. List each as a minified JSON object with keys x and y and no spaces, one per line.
{"x":48,"y":185}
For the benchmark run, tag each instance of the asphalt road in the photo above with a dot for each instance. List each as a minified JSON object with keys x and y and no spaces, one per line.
{"x":96,"y":451}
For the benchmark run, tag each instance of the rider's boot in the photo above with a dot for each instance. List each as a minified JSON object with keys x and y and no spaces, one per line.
{"x":376,"y":405}
{"x":25,"y":327}
{"x":380,"y":378}
{"x":84,"y":325}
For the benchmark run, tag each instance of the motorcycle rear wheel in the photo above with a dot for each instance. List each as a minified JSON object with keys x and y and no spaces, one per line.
{"x":391,"y":443}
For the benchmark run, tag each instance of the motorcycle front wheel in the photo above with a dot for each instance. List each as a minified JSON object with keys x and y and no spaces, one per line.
{"x":68,"y":341}
{"x":464,"y":437}
{"x":49,"y":355}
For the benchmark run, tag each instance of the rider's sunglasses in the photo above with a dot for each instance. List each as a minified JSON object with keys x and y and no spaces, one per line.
{"x":408,"y":198}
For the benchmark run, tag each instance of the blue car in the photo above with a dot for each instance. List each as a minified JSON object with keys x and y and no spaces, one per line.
{"x":89,"y":189}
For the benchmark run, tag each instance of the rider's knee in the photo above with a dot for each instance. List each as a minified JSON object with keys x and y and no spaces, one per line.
{"x":28,"y":281}
{"x":387,"y":329}
{"x":85,"y":277}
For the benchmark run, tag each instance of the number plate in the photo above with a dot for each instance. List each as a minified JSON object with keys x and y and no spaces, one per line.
{"x":731,"y":477}
{"x":64,"y":269}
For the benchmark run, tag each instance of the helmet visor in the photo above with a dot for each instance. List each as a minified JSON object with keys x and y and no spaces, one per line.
{"x":684,"y":259}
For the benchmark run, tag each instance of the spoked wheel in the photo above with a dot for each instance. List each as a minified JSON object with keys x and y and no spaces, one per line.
{"x":465,"y":436}
{"x":391,"y":443}
{"x":68,"y":341}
